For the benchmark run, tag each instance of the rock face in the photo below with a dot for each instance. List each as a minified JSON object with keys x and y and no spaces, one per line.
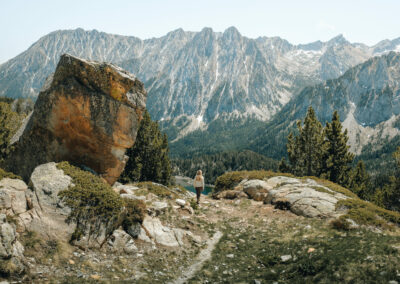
{"x":87,"y":113}
{"x":11,"y":250}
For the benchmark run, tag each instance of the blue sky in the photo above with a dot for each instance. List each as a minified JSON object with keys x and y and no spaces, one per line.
{"x":22,"y":22}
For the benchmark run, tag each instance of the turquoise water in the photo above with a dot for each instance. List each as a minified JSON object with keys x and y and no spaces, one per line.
{"x":206,"y":190}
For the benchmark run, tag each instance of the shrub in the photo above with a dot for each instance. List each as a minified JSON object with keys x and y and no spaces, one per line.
{"x":340,"y":224}
{"x":93,"y":203}
{"x":135,"y":211}
{"x":366,"y":213}
{"x":193,"y":204}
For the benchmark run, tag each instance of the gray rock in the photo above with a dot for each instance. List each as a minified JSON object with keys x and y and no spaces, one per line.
{"x":256,"y":189}
{"x":11,"y":250}
{"x":157,"y":208}
{"x":286,"y":258}
{"x":134,"y":197}
{"x":180,"y":202}
{"x":134,"y":230}
{"x":48,"y":181}
{"x":161,"y":234}
{"x":125,"y":188}
{"x":304,"y":198}
{"x":13,"y":196}
{"x":120,"y":241}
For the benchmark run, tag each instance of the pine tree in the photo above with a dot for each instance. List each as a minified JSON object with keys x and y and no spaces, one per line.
{"x":9,"y":122}
{"x":283,"y":167}
{"x":338,"y":158}
{"x":165,"y":162}
{"x":306,"y":150}
{"x":361,"y":182}
{"x":148,"y":158}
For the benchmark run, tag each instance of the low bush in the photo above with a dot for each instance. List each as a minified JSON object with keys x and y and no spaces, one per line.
{"x":366,"y":213}
{"x":94,"y":204}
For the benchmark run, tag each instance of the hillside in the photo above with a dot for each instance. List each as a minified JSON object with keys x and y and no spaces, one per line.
{"x":278,"y":238}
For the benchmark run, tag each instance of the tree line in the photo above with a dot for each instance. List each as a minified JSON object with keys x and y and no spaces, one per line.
{"x":323,"y":152}
{"x":214,"y":165}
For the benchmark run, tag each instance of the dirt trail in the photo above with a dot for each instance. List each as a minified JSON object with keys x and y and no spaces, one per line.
{"x":202,"y":257}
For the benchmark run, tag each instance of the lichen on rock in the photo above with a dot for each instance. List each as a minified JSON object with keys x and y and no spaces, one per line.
{"x":87,"y":113}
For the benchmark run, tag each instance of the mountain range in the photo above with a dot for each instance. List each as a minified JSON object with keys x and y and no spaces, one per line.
{"x":202,"y":82}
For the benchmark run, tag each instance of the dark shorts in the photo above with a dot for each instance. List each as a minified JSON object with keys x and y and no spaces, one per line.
{"x":199,"y":189}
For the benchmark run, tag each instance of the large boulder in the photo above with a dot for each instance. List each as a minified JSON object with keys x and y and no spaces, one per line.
{"x":48,"y":214}
{"x":304,"y":197}
{"x":87,"y":113}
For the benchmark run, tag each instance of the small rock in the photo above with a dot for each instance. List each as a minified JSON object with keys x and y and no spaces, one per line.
{"x":285,"y":258}
{"x":180,"y":202}
{"x":231,"y":255}
{"x":95,"y":277}
{"x":393,"y":282}
{"x":308,"y":227}
{"x":310,"y":250}
{"x":256,"y":281}
{"x":71,"y":261}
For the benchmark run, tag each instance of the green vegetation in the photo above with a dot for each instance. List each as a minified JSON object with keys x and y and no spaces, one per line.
{"x":337,"y":158}
{"x":217,"y":164}
{"x":306,"y":150}
{"x":315,"y":255}
{"x":230,"y":179}
{"x":157,"y":189}
{"x":319,"y":152}
{"x":94,"y":204}
{"x":4,"y":174}
{"x":9,"y":123}
{"x":366,"y":213}
{"x":148,"y":158}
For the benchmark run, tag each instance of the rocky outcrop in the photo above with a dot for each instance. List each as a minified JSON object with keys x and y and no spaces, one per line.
{"x":13,"y":199}
{"x":11,"y":250}
{"x":304,"y":197}
{"x":87,"y":113}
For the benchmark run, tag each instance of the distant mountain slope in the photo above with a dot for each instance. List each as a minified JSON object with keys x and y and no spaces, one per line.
{"x":201,"y":76}
{"x":367,"y":97}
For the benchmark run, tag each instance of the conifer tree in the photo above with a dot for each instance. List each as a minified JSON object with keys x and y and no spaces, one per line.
{"x":306,"y":150}
{"x":283,"y":167}
{"x":148,"y":158}
{"x":338,"y":158}
{"x":9,"y":122}
{"x":165,"y":162}
{"x":360,"y":181}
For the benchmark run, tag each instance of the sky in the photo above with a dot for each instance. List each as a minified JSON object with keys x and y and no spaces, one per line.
{"x":22,"y":22}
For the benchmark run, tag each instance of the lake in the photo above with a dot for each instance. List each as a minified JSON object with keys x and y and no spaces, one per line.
{"x":206,"y":190}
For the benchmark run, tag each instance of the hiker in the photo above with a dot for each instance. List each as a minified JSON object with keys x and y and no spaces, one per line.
{"x":198,"y":184}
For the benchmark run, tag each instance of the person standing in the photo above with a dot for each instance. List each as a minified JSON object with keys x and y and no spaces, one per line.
{"x":198,"y":184}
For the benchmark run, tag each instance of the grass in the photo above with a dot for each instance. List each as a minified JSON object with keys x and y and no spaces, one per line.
{"x":333,"y":186}
{"x":366,"y":213}
{"x":336,"y":257}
